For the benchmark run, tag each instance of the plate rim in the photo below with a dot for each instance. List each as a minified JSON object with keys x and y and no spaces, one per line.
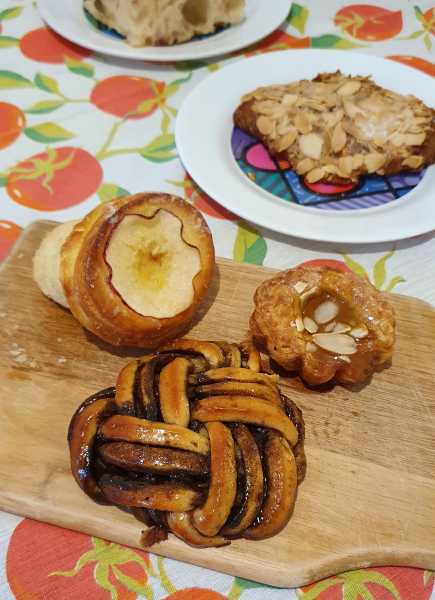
{"x":231,"y":170}
{"x":176,"y":53}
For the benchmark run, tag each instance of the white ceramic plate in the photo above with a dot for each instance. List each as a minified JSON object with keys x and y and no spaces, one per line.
{"x":203,"y":136}
{"x":67,"y":18}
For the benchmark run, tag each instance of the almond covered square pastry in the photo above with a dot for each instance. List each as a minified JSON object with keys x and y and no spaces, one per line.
{"x":337,"y":128}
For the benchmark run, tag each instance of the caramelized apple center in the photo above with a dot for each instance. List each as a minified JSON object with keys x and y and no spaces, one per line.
{"x":152,"y":267}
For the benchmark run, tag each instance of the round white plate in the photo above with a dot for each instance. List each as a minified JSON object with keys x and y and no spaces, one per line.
{"x":203,"y":137}
{"x":67,"y":18}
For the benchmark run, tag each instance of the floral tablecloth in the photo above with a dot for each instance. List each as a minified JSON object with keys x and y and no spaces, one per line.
{"x":77,"y":129}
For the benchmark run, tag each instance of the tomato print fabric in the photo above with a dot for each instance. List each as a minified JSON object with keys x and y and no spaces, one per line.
{"x":77,"y":129}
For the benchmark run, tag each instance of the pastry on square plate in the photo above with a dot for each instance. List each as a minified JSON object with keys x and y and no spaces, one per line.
{"x":324,"y":323}
{"x":336,"y":128}
{"x":165,"y":22}
{"x":134,"y":271}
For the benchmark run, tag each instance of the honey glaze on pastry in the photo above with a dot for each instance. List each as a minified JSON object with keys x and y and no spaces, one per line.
{"x":133,"y":271}
{"x":193,"y":440}
{"x":336,"y":128}
{"x":324,"y":323}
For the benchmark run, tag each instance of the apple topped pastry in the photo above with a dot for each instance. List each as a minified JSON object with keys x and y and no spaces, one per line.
{"x":133,"y":271}
{"x":165,"y":22}
{"x":194,"y":440}
{"x":337,"y":128}
{"x":324,"y":323}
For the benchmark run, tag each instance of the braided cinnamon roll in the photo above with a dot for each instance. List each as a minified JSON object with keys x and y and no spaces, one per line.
{"x":193,"y":441}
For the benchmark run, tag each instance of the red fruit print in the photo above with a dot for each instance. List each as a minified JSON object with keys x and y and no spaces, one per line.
{"x":368,"y":22}
{"x":204,"y":203}
{"x":55,"y":179}
{"x":327,"y":262}
{"x":416,"y":62}
{"x":9,"y":232}
{"x":43,"y":45}
{"x":122,"y":95}
{"x":278,"y":40}
{"x":429,"y":18}
{"x":62,"y":564}
{"x":195,"y":594}
{"x":12,"y":122}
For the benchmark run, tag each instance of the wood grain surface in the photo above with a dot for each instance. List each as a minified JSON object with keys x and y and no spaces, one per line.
{"x":369,"y":494}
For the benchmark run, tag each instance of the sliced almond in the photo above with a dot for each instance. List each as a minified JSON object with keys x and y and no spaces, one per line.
{"x":340,"y":328}
{"x":345,"y":164}
{"x":339,"y":138}
{"x":299,"y":324}
{"x":311,"y":145}
{"x":397,"y":139}
{"x":304,"y":165}
{"x":289,"y":99}
{"x":359,"y":332}
{"x":265,"y":125}
{"x":329,"y":327}
{"x":374,"y":161}
{"x":300,"y":286}
{"x":344,"y":358}
{"x":286,"y":141}
{"x":325,"y":312}
{"x":303,"y":123}
{"x":337,"y":343}
{"x":265,"y":108}
{"x":357,"y":161}
{"x":310,"y":325}
{"x":413,"y":162}
{"x":315,"y":175}
{"x":308,"y":294}
{"x":415,"y":139}
{"x":349,"y":88}
{"x":310,"y":347}
{"x":352,"y":109}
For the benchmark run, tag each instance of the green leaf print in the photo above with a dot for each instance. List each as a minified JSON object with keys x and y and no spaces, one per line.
{"x":427,"y":42}
{"x":10,"y":80}
{"x":45,"y":106}
{"x":240,"y":585}
{"x":47,"y":133}
{"x":379,"y":270}
{"x":109,"y":191}
{"x":353,"y":586}
{"x":160,"y":149}
{"x":298,"y":17}
{"x":107,"y":557}
{"x":249,"y":246}
{"x":354,"y":266}
{"x":8,"y":42}
{"x":79,"y":67}
{"x":10,"y":13}
{"x":46,"y":83}
{"x":330,"y":40}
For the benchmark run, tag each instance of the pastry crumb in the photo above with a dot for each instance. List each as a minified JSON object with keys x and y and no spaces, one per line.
{"x":61,"y":360}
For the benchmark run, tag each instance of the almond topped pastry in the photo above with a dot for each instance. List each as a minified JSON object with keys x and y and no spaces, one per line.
{"x":324,"y":323}
{"x":337,"y":128}
{"x":165,"y":22}
{"x":133,"y":271}
{"x":193,"y":440}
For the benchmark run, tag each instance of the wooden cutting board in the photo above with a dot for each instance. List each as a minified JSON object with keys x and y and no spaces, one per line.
{"x":369,"y":494}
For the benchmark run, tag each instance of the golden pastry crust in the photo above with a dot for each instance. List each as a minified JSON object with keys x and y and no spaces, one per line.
{"x":165,"y":22}
{"x":86,"y":275}
{"x":324,"y":323}
{"x":196,"y":442}
{"x":337,"y":128}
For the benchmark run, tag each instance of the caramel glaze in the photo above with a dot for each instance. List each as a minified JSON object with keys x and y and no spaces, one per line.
{"x":361,"y":362}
